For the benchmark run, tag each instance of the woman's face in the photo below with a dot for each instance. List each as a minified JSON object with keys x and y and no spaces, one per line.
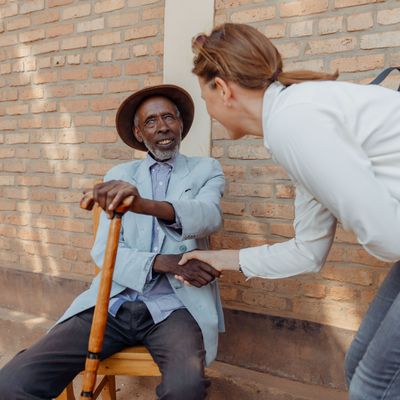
{"x":220,"y":110}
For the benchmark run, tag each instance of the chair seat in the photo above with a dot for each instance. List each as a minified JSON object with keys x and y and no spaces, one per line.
{"x":133,"y":361}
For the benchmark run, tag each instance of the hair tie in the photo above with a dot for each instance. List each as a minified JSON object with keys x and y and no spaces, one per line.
{"x":275,"y":75}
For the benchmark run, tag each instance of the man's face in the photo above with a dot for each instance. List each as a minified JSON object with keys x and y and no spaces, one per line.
{"x":159,"y":127}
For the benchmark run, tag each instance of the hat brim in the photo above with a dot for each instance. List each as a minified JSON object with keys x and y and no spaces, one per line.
{"x":124,"y":119}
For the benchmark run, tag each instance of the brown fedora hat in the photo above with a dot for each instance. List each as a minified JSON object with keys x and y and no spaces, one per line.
{"x":126,"y":112}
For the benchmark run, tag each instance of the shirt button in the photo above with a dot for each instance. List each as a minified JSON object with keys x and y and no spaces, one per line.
{"x":160,"y":183}
{"x":182,"y":248}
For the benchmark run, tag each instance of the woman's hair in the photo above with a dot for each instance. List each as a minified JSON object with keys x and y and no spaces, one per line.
{"x":241,"y":54}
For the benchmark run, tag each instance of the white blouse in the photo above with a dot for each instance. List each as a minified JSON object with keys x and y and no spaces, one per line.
{"x":340,"y":144}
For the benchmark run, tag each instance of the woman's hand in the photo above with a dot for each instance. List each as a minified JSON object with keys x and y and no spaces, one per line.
{"x":219,"y":259}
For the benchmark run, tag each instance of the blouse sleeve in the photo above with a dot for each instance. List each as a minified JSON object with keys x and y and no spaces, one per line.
{"x":306,"y":252}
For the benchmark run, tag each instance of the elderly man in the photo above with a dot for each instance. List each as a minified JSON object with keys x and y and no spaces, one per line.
{"x":174,"y":204}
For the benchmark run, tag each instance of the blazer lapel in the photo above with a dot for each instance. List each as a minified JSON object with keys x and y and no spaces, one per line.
{"x":142,"y":180}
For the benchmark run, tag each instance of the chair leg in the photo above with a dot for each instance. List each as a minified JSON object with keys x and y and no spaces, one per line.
{"x":109,"y":390}
{"x":68,"y":393}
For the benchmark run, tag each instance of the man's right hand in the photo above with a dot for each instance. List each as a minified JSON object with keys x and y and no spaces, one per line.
{"x":194,"y":272}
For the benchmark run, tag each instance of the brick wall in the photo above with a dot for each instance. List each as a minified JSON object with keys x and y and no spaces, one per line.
{"x":65,"y":65}
{"x":359,"y":38}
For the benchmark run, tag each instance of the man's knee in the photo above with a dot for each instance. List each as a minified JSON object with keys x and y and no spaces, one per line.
{"x":9,"y":384}
{"x":187,"y":382}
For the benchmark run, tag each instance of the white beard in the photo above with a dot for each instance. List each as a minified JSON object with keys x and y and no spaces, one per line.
{"x":162,"y":155}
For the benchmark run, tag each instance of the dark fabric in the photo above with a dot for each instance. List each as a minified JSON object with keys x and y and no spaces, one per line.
{"x":42,"y":371}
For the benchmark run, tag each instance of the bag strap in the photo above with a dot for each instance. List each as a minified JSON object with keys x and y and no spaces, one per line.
{"x":383,"y":75}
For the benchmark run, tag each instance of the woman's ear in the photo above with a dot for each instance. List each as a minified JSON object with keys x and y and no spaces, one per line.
{"x":224,"y":90}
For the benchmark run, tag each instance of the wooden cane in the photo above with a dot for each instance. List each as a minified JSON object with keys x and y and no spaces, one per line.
{"x":103,"y":297}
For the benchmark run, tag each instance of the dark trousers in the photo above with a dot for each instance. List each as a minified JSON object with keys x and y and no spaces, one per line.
{"x":176,"y":344}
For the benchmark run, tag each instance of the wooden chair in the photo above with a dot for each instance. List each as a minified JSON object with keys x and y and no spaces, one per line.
{"x":132,"y":361}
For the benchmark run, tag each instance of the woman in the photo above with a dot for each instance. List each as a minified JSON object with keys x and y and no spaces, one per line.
{"x":340,"y":144}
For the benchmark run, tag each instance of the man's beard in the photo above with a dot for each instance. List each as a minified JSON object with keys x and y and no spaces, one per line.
{"x":161,"y":155}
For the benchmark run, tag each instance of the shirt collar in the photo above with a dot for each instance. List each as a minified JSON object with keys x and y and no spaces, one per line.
{"x":151,"y":162}
{"x":270,"y":96}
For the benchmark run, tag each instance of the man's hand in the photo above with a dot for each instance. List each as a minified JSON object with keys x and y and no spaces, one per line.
{"x":111,"y":194}
{"x":194,"y":272}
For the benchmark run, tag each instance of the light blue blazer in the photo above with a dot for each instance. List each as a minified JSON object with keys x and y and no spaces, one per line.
{"x":195,"y":189}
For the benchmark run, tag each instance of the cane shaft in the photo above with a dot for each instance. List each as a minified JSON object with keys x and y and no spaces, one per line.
{"x":101,"y":310}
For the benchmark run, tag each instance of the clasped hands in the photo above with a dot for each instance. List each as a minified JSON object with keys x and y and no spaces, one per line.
{"x":111,"y":194}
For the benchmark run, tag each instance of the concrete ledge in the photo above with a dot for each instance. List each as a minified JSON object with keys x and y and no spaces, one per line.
{"x":299,"y":350}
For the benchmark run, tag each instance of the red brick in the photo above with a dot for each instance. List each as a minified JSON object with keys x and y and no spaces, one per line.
{"x":6,"y":180}
{"x":246,"y":226}
{"x":44,"y":77}
{"x":234,"y":208}
{"x":101,"y":137}
{"x":15,"y":193}
{"x":108,"y":5}
{"x":153,"y":13}
{"x":76,"y":74}
{"x":43,"y":106}
{"x":123,"y":86}
{"x":31,"y":6}
{"x":388,"y":17}
{"x":328,"y":46}
{"x":303,"y":7}
{"x":92,"y":25}
{"x":105,"y":104}
{"x":43,"y":136}
{"x":55,"y":153}
{"x":69,"y":167}
{"x":60,"y":91}
{"x":106,"y":71}
{"x":56,"y":210}
{"x":140,"y":67}
{"x":74,"y":43}
{"x":29,"y":152}
{"x":57,"y":182}
{"x":14,"y":166}
{"x":7,"y":205}
{"x":250,"y":189}
{"x":92,"y":87}
{"x":285,"y":230}
{"x":249,"y":152}
{"x":29,"y":180}
{"x":268,"y":173}
{"x":17,"y":138}
{"x":234,"y":171}
{"x":76,"y":11}
{"x":142,"y":32}
{"x":45,"y":17}
{"x":122,"y":19}
{"x":351,"y":3}
{"x":8,"y":124}
{"x":7,"y":152}
{"x":105,"y":39}
{"x":341,"y":273}
{"x":380,"y":40}
{"x":273,"y":31}
{"x":56,"y":3}
{"x":283,"y":191}
{"x":31,"y":36}
{"x":19,"y":23}
{"x":60,"y":30}
{"x":253,"y":15}
{"x":358,"y":22}
{"x":57,"y":121}
{"x":87,"y":120}
{"x":272,"y":210}
{"x":73,"y":106}
{"x":45,"y":47}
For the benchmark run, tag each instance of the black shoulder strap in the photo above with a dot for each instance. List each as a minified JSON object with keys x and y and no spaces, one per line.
{"x":383,"y":75}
